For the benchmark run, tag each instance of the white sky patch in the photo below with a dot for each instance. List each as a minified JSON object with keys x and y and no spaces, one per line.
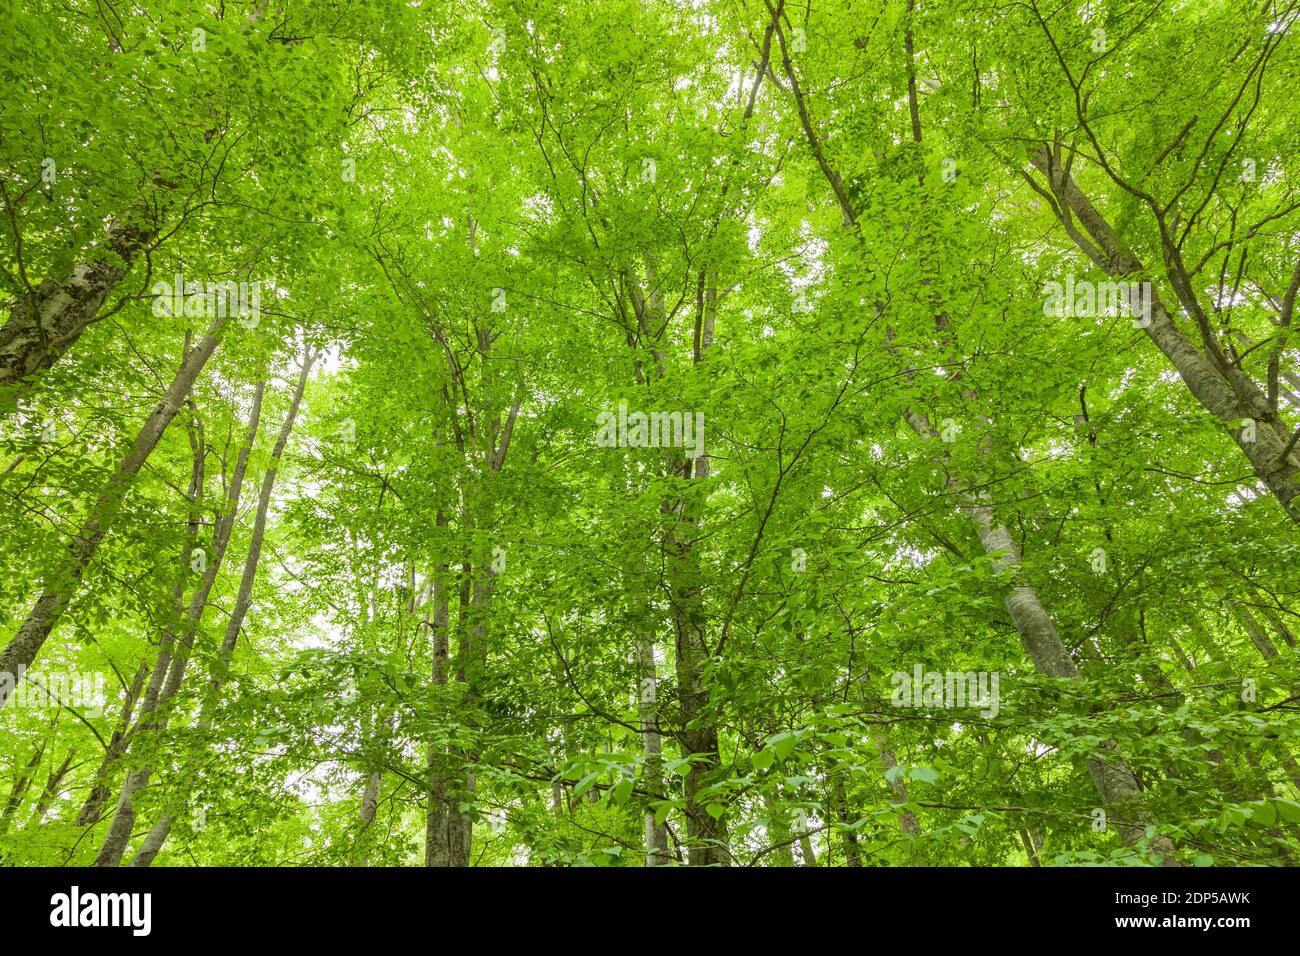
{"x":1118,"y":390}
{"x":539,"y":206}
{"x":1226,"y":298}
{"x":906,"y":554}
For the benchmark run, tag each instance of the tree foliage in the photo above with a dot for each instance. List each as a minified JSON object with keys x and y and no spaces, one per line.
{"x":617,"y":431}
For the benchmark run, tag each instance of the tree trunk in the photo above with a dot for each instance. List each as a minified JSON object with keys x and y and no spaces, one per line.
{"x":779,"y":837}
{"x":119,"y":835}
{"x":1225,"y":391}
{"x":20,"y":787}
{"x":52,"y":787}
{"x":153,"y":842}
{"x":1113,"y":780}
{"x":445,"y":839}
{"x":707,"y":835}
{"x":99,"y":790}
{"x":1258,"y":636}
{"x":1279,"y":626}
{"x":60,"y":587}
{"x":656,"y":834}
{"x":1031,"y":851}
{"x":838,"y":806}
{"x":48,"y":320}
{"x":220,"y":540}
{"x":897,"y":789}
{"x":809,"y":858}
{"x":244,"y":597}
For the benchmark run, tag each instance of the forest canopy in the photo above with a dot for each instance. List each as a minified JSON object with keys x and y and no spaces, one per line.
{"x":649,"y":432}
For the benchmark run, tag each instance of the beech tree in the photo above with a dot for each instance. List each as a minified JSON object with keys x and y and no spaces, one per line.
{"x":644,"y":433}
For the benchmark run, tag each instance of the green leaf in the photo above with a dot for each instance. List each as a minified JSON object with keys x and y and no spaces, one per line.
{"x":1265,"y":814}
{"x":782,"y":745}
{"x":585,"y":784}
{"x":1288,"y":809}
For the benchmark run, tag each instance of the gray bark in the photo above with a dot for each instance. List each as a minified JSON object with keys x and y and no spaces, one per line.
{"x":447,"y":827}
{"x":50,"y":318}
{"x":99,"y":791}
{"x":838,"y":805}
{"x":62,"y":586}
{"x":779,"y":837}
{"x":1222,"y":389}
{"x":153,"y":842}
{"x":52,"y":785}
{"x":656,"y":834}
{"x":1113,"y":780}
{"x":21,"y":786}
{"x":119,"y":834}
{"x":897,"y":789}
{"x":244,"y":597}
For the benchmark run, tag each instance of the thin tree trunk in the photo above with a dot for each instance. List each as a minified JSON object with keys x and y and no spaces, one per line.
{"x":62,"y":586}
{"x":656,"y":834}
{"x":779,"y":836}
{"x":21,"y":786}
{"x":1031,"y":851}
{"x":221,"y":540}
{"x":1258,"y":636}
{"x":808,"y":856}
{"x":445,"y":843}
{"x":706,"y":834}
{"x":897,"y":789}
{"x":99,"y":790}
{"x":52,"y":787}
{"x":119,"y":834}
{"x":1222,"y":389}
{"x":1273,"y":618}
{"x":1114,"y":781}
{"x":370,"y":800}
{"x":91,"y":811}
{"x":839,"y":807}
